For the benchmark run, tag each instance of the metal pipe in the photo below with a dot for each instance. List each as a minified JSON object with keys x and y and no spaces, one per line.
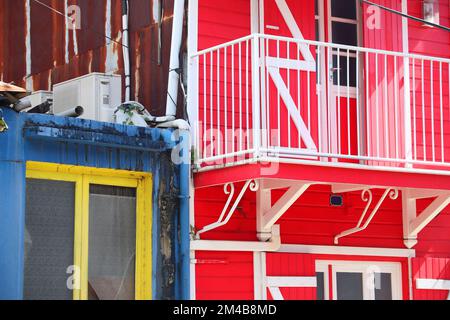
{"x":72,"y":113}
{"x":174,"y":73}
{"x":185,"y":175}
{"x":125,"y":48}
{"x":42,"y":108}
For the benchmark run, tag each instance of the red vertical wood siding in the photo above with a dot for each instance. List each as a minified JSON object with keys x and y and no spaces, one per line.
{"x":219,"y":23}
{"x":431,"y":42}
{"x":384,"y":83}
{"x":311,"y":220}
{"x":292,"y":265}
{"x":224,"y":276}
{"x":430,"y":268}
{"x":296,"y":81}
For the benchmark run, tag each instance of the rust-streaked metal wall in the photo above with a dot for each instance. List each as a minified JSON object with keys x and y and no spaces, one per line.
{"x":37,"y":49}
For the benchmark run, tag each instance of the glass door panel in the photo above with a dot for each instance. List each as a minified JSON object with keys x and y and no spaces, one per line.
{"x":112,"y":243}
{"x":49,"y":239}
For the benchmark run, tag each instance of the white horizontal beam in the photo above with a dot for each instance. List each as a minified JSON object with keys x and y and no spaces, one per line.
{"x":292,"y":282}
{"x":433,"y":284}
{"x":429,"y":214}
{"x":240,"y":246}
{"x":343,"y":188}
{"x":274,"y":184}
{"x":348,"y":251}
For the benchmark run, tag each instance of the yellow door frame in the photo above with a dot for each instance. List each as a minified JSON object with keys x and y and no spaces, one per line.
{"x":83,"y":177}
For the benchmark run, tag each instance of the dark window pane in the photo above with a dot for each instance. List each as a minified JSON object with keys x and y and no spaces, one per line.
{"x":49,"y":239}
{"x":320,"y":286}
{"x":383,"y":286}
{"x":345,"y":33}
{"x":112,"y":191}
{"x":344,"y":9}
{"x":112,"y":243}
{"x":349,"y":286}
{"x":317,"y":31}
{"x":316,"y":7}
{"x":340,"y":76}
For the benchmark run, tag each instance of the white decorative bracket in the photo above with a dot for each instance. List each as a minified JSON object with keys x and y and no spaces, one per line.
{"x":225,"y":217}
{"x":433,"y":284}
{"x":413,"y":223}
{"x":268,"y":214}
{"x":366,"y":196}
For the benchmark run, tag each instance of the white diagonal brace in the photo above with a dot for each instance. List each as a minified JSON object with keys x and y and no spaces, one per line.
{"x":423,"y":194}
{"x":283,"y":204}
{"x":428,"y":214}
{"x":292,"y":108}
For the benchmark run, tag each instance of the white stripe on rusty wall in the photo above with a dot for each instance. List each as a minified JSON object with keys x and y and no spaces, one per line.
{"x":29,"y":79}
{"x":112,"y":57}
{"x":66,"y":38}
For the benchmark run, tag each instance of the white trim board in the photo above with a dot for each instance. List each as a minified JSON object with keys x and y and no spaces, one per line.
{"x":314,"y":249}
{"x":433,"y":284}
{"x":350,"y":251}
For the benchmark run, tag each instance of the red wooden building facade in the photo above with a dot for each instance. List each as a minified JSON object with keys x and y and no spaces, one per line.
{"x":322,"y":150}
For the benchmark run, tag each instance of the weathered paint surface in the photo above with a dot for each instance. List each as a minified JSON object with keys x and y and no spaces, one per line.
{"x":52,"y":53}
{"x":61,"y":140}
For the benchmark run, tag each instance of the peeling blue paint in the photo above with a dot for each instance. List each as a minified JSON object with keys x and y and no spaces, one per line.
{"x":77,"y":142}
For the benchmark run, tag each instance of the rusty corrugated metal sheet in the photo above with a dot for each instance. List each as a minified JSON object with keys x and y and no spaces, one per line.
{"x":56,"y":54}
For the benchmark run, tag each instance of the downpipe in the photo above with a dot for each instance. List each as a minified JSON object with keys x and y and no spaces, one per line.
{"x":126,"y":48}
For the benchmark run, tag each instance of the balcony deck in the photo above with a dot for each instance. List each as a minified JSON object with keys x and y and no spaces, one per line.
{"x":267,"y":99}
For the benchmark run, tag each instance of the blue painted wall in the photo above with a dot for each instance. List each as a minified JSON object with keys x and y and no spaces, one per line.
{"x":93,"y":144}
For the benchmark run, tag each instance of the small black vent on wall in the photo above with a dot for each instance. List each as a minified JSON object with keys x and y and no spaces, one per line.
{"x":336,"y":200}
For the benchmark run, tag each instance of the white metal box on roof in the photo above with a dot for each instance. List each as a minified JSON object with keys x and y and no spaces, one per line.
{"x":99,"y":94}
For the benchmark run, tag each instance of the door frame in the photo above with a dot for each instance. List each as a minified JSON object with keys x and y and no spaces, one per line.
{"x":83,"y":177}
{"x":367,"y":268}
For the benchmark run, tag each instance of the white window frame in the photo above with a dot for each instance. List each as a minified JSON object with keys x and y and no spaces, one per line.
{"x":330,"y":19}
{"x":368,"y":269}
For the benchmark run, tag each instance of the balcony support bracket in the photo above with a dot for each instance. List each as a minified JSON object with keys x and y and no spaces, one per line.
{"x":366,"y":196}
{"x":268,"y":214}
{"x":225,"y":217}
{"x":413,"y":223}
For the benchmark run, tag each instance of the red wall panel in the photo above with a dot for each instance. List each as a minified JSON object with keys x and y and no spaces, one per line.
{"x":292,"y":265}
{"x":224,"y":276}
{"x":430,"y":268}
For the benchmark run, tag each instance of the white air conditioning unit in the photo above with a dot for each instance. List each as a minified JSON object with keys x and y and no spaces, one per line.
{"x":39,"y":97}
{"x":99,"y":94}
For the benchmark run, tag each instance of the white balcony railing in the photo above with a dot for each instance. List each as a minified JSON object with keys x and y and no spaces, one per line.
{"x":281,"y":99}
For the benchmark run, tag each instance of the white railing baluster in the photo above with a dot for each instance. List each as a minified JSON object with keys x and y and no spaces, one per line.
{"x":240,"y":97}
{"x":441,"y":111}
{"x":433,"y":146}
{"x":414,"y":108}
{"x":225,"y":98}
{"x":233,"y":100}
{"x":349,"y":130}
{"x":424,"y":139}
{"x":396,"y":116}
{"x":218,"y":106}
{"x":256,"y":97}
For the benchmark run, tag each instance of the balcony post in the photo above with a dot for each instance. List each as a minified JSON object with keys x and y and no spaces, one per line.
{"x":406,"y":89}
{"x":256,"y":96}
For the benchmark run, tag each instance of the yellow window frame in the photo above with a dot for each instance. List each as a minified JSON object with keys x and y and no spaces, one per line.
{"x":83,"y":177}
